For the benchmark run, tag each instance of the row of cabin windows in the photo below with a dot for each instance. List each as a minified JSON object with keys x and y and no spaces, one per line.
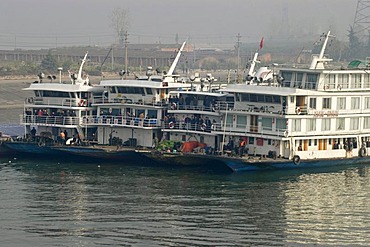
{"x":331,"y":81}
{"x":299,"y":80}
{"x":341,"y":103}
{"x":57,"y":94}
{"x":131,"y":90}
{"x":326,"y":123}
{"x":343,"y":81}
{"x":241,"y":121}
{"x":127,"y":112}
{"x":250,"y":97}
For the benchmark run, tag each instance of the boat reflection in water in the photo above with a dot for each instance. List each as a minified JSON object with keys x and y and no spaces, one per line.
{"x":110,"y":204}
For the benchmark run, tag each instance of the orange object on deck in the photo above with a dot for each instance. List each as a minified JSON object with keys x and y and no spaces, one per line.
{"x":188,"y":147}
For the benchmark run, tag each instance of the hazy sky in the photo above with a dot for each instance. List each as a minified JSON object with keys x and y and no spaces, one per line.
{"x":50,"y":23}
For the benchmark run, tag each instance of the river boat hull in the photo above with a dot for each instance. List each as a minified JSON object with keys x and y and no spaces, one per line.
{"x":75,"y":153}
{"x":31,"y":149}
{"x":245,"y":164}
{"x":106,"y":153}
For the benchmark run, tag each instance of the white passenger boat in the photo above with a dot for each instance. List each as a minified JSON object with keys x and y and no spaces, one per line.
{"x":310,"y":117}
{"x":132,"y":112}
{"x":57,"y":107}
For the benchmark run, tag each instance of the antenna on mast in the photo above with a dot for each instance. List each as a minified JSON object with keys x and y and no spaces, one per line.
{"x":319,"y":61}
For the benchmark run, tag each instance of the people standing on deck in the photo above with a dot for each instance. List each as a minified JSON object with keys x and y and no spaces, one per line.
{"x":62,"y":137}
{"x":65,"y":135}
{"x":242,"y":144}
{"x":33,"y":133}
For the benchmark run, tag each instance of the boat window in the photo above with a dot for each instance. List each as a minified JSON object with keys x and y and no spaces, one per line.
{"x":267,"y":123}
{"x":326,"y":103}
{"x":251,"y":140}
{"x":367,"y":80}
{"x":356,"y":81}
{"x":110,"y":111}
{"x":353,"y":124}
{"x":340,"y":123}
{"x":152,"y":113}
{"x":329,"y":81}
{"x":325,"y":124}
{"x":268,"y":98}
{"x":241,"y":121}
{"x":140,"y":113}
{"x":253,"y":97}
{"x":149,"y":91}
{"x":296,"y":124}
{"x":287,"y":75}
{"x":112,"y":89}
{"x":229,"y":121}
{"x":276,"y":99}
{"x":121,"y":90}
{"x":367,"y":103}
{"x":84,"y":95}
{"x":341,"y":103}
{"x":260,"y":98}
{"x":343,"y":81}
{"x":355,"y":103}
{"x":245,"y":97}
{"x":281,"y":124}
{"x":55,"y":94}
{"x":366,"y":122}
{"x":291,"y":99}
{"x":311,"y":81}
{"x":312,"y":103}
{"x":130,"y":90}
{"x":156,"y":79}
{"x":298,"y":80}
{"x":37,"y":93}
{"x":311,"y":125}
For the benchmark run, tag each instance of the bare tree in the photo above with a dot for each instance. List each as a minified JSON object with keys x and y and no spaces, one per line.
{"x":120,"y":23}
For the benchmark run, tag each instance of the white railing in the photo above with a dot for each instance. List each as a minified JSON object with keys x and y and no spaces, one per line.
{"x":220,"y":127}
{"x":49,"y":120}
{"x":121,"y":121}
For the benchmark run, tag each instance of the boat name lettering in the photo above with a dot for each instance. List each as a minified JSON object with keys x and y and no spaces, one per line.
{"x":319,"y":114}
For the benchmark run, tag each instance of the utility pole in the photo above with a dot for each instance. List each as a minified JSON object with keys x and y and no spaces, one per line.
{"x":238,"y":58}
{"x":126,"y":58}
{"x":361,"y":24}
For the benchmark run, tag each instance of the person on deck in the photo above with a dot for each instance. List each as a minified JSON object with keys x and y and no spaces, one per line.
{"x":33,"y":133}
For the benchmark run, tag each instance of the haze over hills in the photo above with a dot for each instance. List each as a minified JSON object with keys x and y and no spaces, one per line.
{"x":40,"y":24}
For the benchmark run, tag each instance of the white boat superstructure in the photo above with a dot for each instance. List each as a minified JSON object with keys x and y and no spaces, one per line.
{"x":195,"y":116}
{"x":132,"y":112}
{"x":60,"y":106}
{"x":313,"y":113}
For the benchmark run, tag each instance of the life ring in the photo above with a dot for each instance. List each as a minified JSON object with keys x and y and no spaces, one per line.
{"x":171,"y":125}
{"x":362,"y":152}
{"x":203,"y":126}
{"x":173,"y":106}
{"x":82,"y":103}
{"x":298,"y":110}
{"x":296,"y":159}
